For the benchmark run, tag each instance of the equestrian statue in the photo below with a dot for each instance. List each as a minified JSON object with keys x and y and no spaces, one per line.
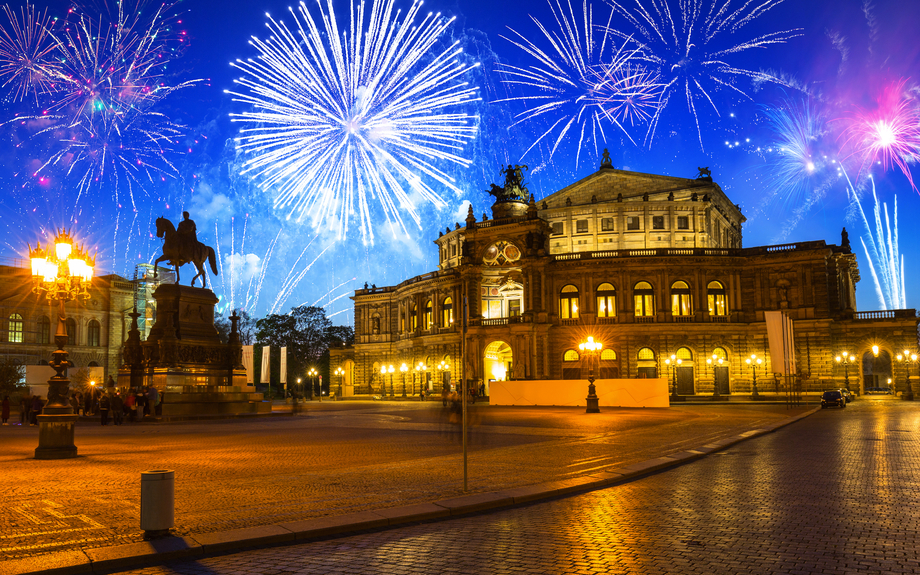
{"x":181,"y":246}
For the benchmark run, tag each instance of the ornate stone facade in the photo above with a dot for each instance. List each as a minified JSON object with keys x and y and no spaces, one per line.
{"x":652,"y":266}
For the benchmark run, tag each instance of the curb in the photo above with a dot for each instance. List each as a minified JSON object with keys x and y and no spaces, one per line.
{"x":160,"y":551}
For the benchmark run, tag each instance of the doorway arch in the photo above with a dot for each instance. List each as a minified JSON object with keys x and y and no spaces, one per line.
{"x":497,"y":363}
{"x":876,"y":370}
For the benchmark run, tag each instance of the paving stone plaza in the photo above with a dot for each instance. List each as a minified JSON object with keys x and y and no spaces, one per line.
{"x":834,"y":493}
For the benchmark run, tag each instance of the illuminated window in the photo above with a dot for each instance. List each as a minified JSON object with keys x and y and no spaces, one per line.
{"x":646,"y":353}
{"x":15,"y":331}
{"x":447,"y":313}
{"x":644,"y":299}
{"x":608,"y":355}
{"x":570,"y":355}
{"x":680,"y":299}
{"x":413,"y":318}
{"x":720,"y":353}
{"x":93,"y":332}
{"x":569,"y":302}
{"x":429,"y":315}
{"x":607,"y":225}
{"x":606,"y":301}
{"x":716,"y":299}
{"x":71,"y":326}
{"x":684,"y":354}
{"x":44,"y":330}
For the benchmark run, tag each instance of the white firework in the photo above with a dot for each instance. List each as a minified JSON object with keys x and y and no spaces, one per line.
{"x":342,"y":117}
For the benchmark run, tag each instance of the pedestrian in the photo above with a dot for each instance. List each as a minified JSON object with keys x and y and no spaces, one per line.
{"x":37,"y":405}
{"x":118,"y":409}
{"x":421,"y":394}
{"x":131,"y":405}
{"x":141,"y":401}
{"x":5,"y":410}
{"x":153,"y":400}
{"x":24,"y":406}
{"x":482,"y":390}
{"x":87,"y":404}
{"x":104,"y":408}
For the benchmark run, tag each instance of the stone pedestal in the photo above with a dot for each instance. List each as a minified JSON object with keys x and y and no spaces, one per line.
{"x":197,"y":375}
{"x":55,"y":434}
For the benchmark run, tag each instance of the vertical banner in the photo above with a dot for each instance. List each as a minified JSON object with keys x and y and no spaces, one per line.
{"x":247,"y":362}
{"x":266,"y":364}
{"x":284,"y":365}
{"x":782,"y":345}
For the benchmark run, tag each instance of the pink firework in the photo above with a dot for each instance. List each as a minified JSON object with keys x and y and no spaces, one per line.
{"x":888,"y":135}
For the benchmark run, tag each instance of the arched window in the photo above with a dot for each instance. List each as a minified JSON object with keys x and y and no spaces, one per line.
{"x":608,"y":355}
{"x":93,"y":333}
{"x":644,"y":299}
{"x":606,"y":301}
{"x":413,"y":318}
{"x":447,"y":313}
{"x":646,"y":366}
{"x":719,"y":353}
{"x":429,"y":315}
{"x":402,"y":321}
{"x":71,"y":327}
{"x":569,"y":299}
{"x":92,"y":364}
{"x":716,"y":297}
{"x":570,"y":355}
{"x":44,"y":330}
{"x":15,"y":329}
{"x":646,"y":353}
{"x":684,"y":354}
{"x":680,"y":299}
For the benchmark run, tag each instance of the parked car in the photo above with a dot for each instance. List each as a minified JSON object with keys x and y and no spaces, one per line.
{"x":878,"y":391}
{"x":833,"y":397}
{"x":847,"y":395}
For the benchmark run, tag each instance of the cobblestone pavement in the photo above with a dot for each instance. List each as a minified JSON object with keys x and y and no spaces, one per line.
{"x":334,"y":459}
{"x":835,"y":493}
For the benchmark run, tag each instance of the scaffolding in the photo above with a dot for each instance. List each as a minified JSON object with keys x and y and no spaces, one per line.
{"x":145,"y":283}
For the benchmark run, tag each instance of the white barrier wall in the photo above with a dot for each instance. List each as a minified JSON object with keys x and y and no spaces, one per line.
{"x":610,"y":392}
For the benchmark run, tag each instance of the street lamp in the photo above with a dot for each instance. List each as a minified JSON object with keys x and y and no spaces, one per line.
{"x":754,"y":362}
{"x":420,"y":369}
{"x":846,"y":359}
{"x":62,"y":274}
{"x":312,"y":374}
{"x":713,"y":362}
{"x":390,"y":370}
{"x":404,"y":368}
{"x":672,"y":363}
{"x":341,"y":373}
{"x":591,"y":349}
{"x":299,"y":388}
{"x":908,"y":358}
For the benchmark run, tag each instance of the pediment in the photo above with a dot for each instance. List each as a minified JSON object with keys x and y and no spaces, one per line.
{"x":607,"y":184}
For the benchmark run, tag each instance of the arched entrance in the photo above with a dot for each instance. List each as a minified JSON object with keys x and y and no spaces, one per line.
{"x":877,"y":370}
{"x":348,"y":378}
{"x":497,"y":363}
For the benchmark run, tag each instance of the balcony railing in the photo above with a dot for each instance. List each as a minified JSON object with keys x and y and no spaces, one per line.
{"x":683,"y":319}
{"x":718,"y":318}
{"x":645,"y":319}
{"x":886,"y":314}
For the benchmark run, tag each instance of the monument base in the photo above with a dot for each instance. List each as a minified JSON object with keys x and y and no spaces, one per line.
{"x":55,"y":434}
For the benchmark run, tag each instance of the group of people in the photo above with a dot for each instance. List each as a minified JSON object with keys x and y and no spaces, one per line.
{"x":133,"y":404}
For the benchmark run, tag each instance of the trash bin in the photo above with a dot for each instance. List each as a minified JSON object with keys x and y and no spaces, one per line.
{"x":157,"y":500}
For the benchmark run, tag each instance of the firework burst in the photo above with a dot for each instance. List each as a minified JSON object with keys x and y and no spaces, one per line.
{"x":342,"y":117}
{"x":100,"y":119}
{"x":687,"y":44}
{"x":889,"y":135}
{"x":27,"y":63}
{"x":584,"y":83}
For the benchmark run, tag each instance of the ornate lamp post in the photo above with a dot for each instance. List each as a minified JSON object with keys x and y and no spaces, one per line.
{"x":672,"y":363}
{"x":312,"y":374}
{"x":846,"y":359}
{"x":908,"y":358}
{"x":713,"y":362}
{"x":341,"y":373}
{"x":591,"y":349}
{"x":62,"y":274}
{"x":443,"y":368}
{"x":754,"y":362}
{"x":390,"y":370}
{"x":404,"y":368}
{"x":420,"y":369}
{"x":299,"y":388}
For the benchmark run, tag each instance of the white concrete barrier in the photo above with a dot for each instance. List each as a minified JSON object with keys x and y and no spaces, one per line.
{"x":610,"y":392}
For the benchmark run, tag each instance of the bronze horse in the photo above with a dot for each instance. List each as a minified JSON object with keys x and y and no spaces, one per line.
{"x":179,"y":254}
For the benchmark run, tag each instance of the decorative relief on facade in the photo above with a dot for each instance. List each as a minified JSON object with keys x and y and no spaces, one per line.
{"x":501,"y":253}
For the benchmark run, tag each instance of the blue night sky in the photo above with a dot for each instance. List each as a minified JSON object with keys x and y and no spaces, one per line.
{"x":849,"y":63}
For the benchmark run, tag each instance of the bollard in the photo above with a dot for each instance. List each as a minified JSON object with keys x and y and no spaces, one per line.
{"x":157,"y":502}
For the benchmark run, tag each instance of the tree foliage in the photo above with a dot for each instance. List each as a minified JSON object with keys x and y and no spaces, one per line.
{"x":246,"y":326}
{"x":12,"y":377}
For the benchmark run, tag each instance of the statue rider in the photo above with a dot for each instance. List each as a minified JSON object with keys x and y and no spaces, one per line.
{"x":187,"y":231}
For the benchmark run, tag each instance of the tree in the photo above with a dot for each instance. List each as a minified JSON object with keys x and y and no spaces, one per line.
{"x":12,"y":377}
{"x":246,"y":326}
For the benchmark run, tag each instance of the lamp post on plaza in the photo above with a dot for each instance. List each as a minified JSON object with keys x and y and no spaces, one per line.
{"x":713,"y":362}
{"x":591,"y":349}
{"x":404,"y":368}
{"x":62,"y":274}
{"x":672,"y":363}
{"x":442,"y":369}
{"x":846,"y":359}
{"x":420,"y":369}
{"x":908,"y":358}
{"x":92,"y":396}
{"x":341,"y":373}
{"x":390,"y":370}
{"x":312,"y":374}
{"x":754,"y":362}
{"x":299,"y":388}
